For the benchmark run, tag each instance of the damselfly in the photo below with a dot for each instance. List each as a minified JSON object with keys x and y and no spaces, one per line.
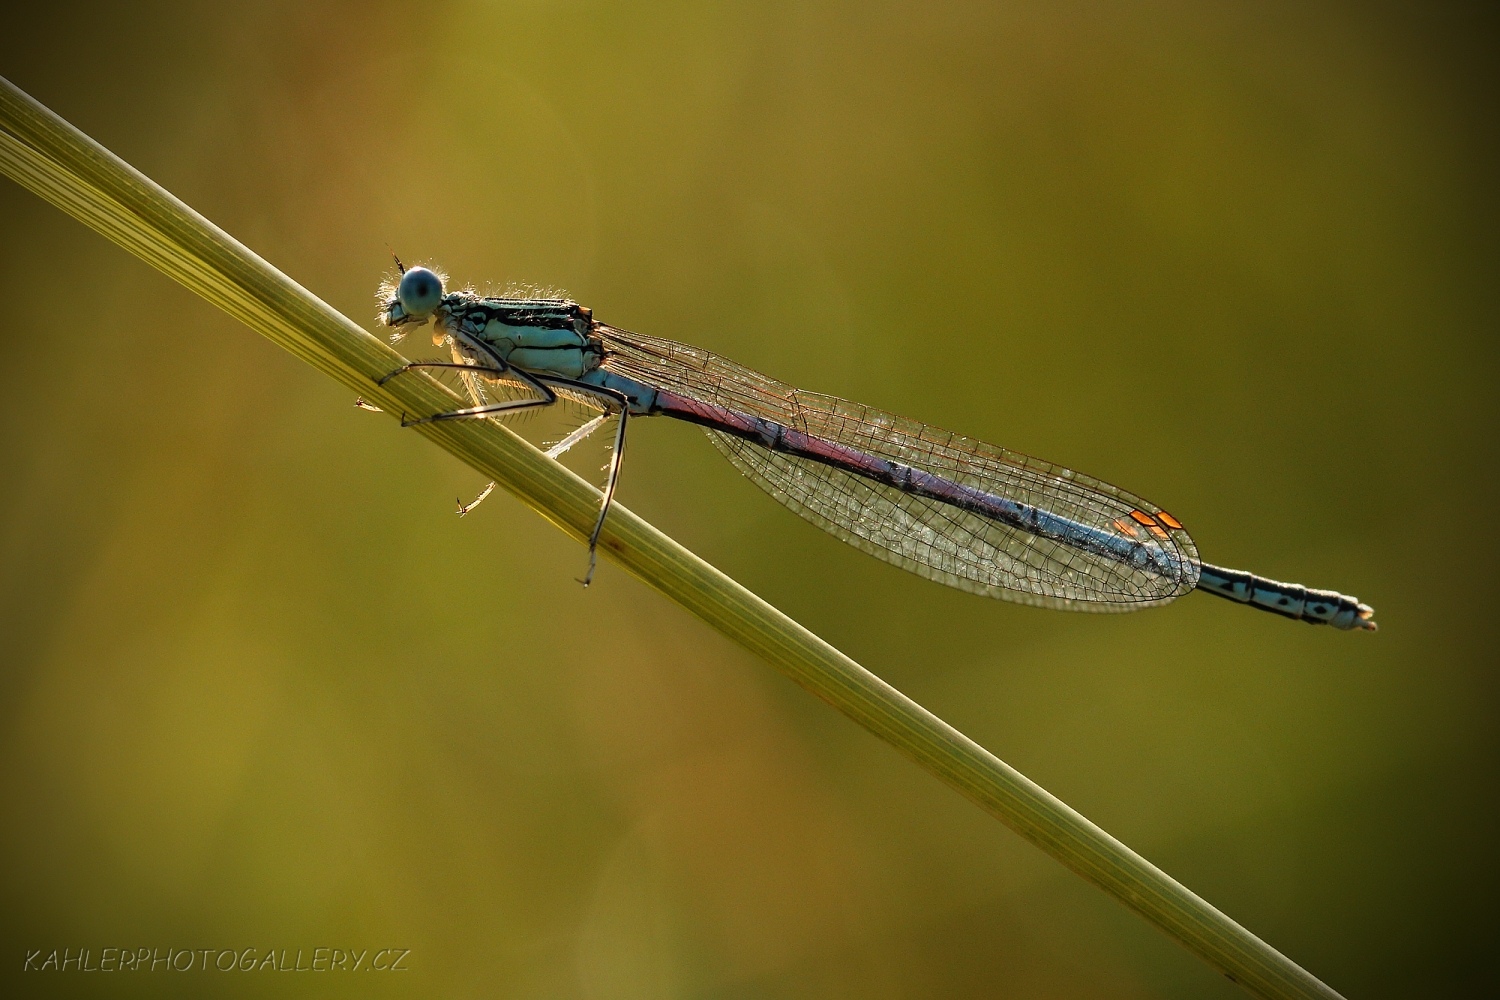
{"x":964,"y":513}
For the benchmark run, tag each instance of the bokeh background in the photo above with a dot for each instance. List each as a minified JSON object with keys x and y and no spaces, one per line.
{"x":263,"y":690}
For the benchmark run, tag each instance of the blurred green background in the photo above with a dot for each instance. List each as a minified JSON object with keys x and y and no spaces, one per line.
{"x":263,"y":690}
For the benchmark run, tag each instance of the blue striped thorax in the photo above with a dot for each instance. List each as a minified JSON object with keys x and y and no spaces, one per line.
{"x":548,"y":336}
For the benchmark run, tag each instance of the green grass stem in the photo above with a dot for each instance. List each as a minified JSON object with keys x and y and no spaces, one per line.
{"x":56,"y":161}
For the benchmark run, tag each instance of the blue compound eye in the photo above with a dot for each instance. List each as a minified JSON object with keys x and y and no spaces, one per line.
{"x":420,"y":292}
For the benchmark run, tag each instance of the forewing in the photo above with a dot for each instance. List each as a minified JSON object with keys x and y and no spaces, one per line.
{"x":926,"y":536}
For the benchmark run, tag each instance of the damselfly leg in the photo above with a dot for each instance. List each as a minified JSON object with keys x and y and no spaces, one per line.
{"x":543,"y":386}
{"x":555,"y":452}
{"x":620,"y":400}
{"x":547,"y":396}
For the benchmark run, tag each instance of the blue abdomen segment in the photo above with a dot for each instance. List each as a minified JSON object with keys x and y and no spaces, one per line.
{"x":642,"y":397}
{"x":1291,"y":600}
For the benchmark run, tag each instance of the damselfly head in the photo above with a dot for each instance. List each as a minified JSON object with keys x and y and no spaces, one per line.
{"x":420,"y":291}
{"x":412,"y":298}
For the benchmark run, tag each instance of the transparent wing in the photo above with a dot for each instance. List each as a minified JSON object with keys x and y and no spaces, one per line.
{"x":926,"y":536}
